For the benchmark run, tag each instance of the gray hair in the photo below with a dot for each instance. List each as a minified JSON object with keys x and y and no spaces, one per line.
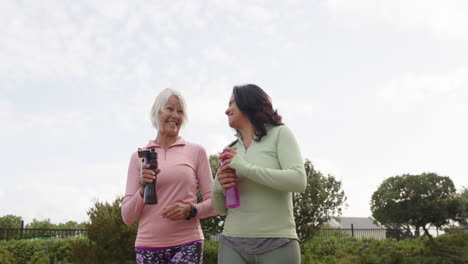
{"x":161,"y":101}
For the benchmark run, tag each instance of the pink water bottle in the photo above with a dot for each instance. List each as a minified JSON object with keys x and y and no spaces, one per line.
{"x":231,"y":195}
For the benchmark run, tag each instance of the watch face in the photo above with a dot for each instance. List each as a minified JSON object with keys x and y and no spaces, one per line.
{"x":193,"y":211}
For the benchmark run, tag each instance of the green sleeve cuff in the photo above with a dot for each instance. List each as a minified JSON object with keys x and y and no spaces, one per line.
{"x":240,"y":165}
{"x":217,"y":197}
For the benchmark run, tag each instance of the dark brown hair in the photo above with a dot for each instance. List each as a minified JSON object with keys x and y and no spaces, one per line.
{"x":256,"y":104}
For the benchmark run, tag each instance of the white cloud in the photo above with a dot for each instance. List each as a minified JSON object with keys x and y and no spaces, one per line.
{"x":260,"y":15}
{"x":301,"y":111}
{"x":171,"y":16}
{"x":45,"y":127}
{"x":191,"y":14}
{"x":134,"y":21}
{"x":217,"y":55}
{"x":41,"y":47}
{"x":143,"y":71}
{"x":441,"y":17}
{"x":38,"y":48}
{"x":117,"y":56}
{"x":170,"y":42}
{"x":448,"y":89}
{"x":115,"y":9}
{"x":64,"y":193}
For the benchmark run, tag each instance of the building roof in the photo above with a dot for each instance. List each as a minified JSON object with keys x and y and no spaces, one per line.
{"x":357,"y":222}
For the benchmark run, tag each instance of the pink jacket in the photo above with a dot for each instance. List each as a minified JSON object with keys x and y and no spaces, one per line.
{"x":183,"y":165}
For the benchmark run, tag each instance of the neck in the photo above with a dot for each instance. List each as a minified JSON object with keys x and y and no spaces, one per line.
{"x":165,"y":141}
{"x":247,"y":132}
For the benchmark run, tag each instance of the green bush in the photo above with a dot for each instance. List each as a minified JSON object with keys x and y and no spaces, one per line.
{"x":22,"y":250}
{"x":83,"y":251}
{"x":453,"y":246}
{"x":210,"y":252}
{"x":5,"y":257}
{"x":57,"y":251}
{"x":449,"y":249}
{"x":39,"y":257}
{"x":113,"y":240}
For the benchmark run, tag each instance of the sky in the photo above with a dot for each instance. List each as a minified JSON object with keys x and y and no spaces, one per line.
{"x":370,"y":88}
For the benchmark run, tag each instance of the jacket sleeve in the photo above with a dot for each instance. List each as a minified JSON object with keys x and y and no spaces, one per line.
{"x":290,"y":178}
{"x":205,"y":208}
{"x":132,"y":204}
{"x":218,"y":197}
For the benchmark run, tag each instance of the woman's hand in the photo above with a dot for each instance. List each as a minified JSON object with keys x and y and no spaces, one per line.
{"x":146,"y":176}
{"x":226,"y":156}
{"x":227,"y":175}
{"x":227,"y":178}
{"x":176,"y":211}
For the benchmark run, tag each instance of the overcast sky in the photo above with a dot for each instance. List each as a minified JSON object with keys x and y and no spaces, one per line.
{"x":371,"y":89}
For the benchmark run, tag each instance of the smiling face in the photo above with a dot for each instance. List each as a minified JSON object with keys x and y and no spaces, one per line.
{"x":236,"y":117}
{"x":171,"y":117}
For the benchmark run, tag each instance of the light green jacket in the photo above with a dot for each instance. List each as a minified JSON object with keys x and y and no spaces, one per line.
{"x":269,"y":171}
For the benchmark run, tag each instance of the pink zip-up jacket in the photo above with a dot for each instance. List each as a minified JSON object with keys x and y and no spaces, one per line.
{"x":183,"y":165}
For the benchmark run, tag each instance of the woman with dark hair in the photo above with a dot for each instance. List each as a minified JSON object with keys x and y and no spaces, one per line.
{"x":266,"y":164}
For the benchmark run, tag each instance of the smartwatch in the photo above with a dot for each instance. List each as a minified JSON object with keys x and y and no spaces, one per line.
{"x":193,"y":212}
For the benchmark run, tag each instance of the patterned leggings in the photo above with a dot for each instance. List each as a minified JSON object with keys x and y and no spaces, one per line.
{"x":190,"y":253}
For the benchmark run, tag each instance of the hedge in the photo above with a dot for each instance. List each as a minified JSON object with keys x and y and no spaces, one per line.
{"x":448,"y":249}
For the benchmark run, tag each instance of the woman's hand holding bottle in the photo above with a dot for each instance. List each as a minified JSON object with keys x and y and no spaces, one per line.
{"x":228,"y":179}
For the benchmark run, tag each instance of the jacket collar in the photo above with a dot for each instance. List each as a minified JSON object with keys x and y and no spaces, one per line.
{"x":179,"y":142}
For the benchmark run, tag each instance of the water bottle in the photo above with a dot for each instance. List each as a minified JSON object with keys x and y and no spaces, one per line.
{"x":150,"y":157}
{"x":231,"y":195}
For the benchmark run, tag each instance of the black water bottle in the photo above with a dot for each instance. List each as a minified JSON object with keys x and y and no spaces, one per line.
{"x":150,"y":157}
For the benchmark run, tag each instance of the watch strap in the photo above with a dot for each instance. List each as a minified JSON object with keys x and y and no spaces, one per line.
{"x":193,"y":212}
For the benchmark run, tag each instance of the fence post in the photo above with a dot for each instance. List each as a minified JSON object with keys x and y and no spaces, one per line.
{"x":22,"y":228}
{"x":352,"y":230}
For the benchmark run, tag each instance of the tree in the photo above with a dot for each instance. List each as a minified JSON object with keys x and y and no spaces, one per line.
{"x":42,"y":224}
{"x":114,"y":240}
{"x":415,"y":200}
{"x":10,"y":221}
{"x":71,"y":225}
{"x":212,"y":225}
{"x":321,"y":201}
{"x":463,"y":212}
{"x":214,"y":164}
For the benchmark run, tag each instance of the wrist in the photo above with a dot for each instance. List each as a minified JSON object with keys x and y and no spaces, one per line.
{"x":193,"y":212}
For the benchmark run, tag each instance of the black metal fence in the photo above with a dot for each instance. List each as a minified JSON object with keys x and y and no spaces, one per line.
{"x":36,"y":233}
{"x":353,"y":232}
{"x":39,"y":233}
{"x":382,"y":233}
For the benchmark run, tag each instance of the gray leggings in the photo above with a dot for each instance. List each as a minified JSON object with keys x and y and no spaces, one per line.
{"x":289,"y":253}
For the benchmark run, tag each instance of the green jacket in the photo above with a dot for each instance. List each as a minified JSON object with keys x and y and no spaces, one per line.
{"x":269,"y":171}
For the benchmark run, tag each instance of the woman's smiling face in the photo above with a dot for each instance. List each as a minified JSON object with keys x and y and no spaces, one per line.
{"x":235,"y":116}
{"x":171,"y":117}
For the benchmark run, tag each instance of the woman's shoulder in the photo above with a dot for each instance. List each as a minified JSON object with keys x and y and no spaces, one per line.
{"x":276,"y":130}
{"x":275,"y":133}
{"x":149,"y":145}
{"x":194,"y":147}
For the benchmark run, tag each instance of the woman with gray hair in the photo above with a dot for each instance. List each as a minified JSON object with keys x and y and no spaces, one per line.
{"x":169,"y":231}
